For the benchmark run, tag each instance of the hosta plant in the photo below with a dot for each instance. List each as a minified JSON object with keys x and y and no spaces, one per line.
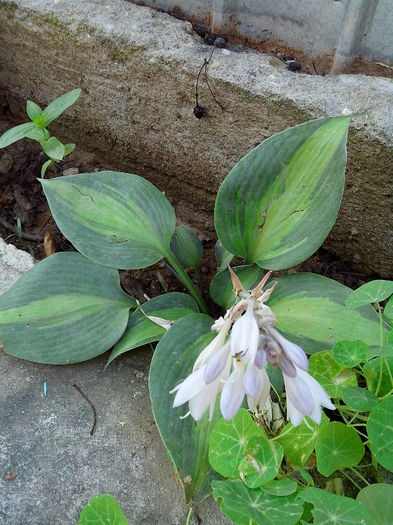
{"x":236,"y":399}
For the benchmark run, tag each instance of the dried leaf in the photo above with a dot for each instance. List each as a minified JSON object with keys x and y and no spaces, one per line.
{"x":49,"y":243}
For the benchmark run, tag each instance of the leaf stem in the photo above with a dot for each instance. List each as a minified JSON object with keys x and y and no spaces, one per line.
{"x":350,"y":479}
{"x":185,"y":279}
{"x":359,"y":475}
{"x":189,"y":516}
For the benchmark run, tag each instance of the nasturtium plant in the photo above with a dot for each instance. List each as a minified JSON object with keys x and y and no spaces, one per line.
{"x":37,"y":129}
{"x":102,"y":510}
{"x":222,"y":389}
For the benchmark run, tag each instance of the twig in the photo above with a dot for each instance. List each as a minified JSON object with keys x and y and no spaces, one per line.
{"x":14,"y":229}
{"x":92,"y":406}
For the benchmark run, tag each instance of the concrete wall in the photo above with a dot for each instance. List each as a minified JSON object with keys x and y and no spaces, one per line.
{"x":339,"y":29}
{"x":137,"y":69}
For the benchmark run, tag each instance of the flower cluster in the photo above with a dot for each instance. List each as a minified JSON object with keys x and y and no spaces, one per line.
{"x":233,"y":364}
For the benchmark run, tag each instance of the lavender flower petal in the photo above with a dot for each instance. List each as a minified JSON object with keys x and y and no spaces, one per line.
{"x":299,"y":394}
{"x":252,"y":381}
{"x":216,"y":364}
{"x":190,"y":387}
{"x":232,"y":394}
{"x":292,"y":351}
{"x":260,"y":359}
{"x":287,"y":366}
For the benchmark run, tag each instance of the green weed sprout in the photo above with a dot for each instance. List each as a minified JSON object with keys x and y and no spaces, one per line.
{"x":37,"y":129}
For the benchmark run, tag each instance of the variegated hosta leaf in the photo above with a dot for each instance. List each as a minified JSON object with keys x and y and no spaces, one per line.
{"x":186,"y":441}
{"x":141,"y":330}
{"x":65,"y":310}
{"x":278,"y":204}
{"x":311,"y":311}
{"x":117,"y":219}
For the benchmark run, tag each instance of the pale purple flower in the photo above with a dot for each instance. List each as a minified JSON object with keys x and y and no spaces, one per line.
{"x":305,"y":397}
{"x":234,"y":364}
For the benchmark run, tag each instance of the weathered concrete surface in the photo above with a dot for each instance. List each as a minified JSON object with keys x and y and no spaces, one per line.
{"x":13,"y":264}
{"x":59,"y":466}
{"x":137,"y":69}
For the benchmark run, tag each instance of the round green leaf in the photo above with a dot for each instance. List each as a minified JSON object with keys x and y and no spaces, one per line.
{"x":261,"y":462}
{"x":221,"y":287}
{"x":378,"y":501}
{"x":299,"y":442}
{"x":338,"y":446}
{"x":187,"y":247}
{"x":228,"y":441}
{"x":279,"y":203}
{"x":332,"y":376}
{"x":388,"y":310}
{"x":330,"y":509}
{"x":141,"y":330}
{"x":350,"y":353}
{"x":53,"y":148}
{"x":185,"y":440}
{"x":372,"y":292}
{"x":59,"y":105}
{"x":245,"y":506}
{"x":310,"y":311}
{"x":64,"y":310}
{"x":372,"y":370}
{"x":116,"y":219}
{"x":280,"y":487}
{"x":359,"y":398}
{"x":380,"y":432}
{"x":102,"y":510}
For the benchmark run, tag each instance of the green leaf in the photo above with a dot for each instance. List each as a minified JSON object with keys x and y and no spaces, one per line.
{"x":261,"y":462}
{"x":68,"y":148}
{"x":388,"y":310}
{"x":45,"y":166}
{"x":330,"y":509}
{"x":141,"y":331}
{"x":67,"y":308}
{"x":245,"y":506}
{"x":359,"y":398}
{"x":185,"y":440}
{"x":338,"y":446}
{"x":278,"y":204}
{"x":310,"y":311}
{"x":299,"y":442}
{"x":38,"y":134}
{"x":228,"y":441}
{"x":350,"y":353}
{"x":380,"y":432}
{"x":221,"y":288}
{"x":102,"y":510}
{"x":372,"y":292}
{"x":378,"y":501}
{"x":332,"y":376}
{"x":53,"y":148}
{"x":280,"y":487}
{"x":33,"y":111}
{"x":384,"y":351}
{"x":16,"y":133}
{"x":187,"y":247}
{"x":372,"y":370}
{"x":59,"y":105}
{"x":224,"y":258}
{"x":116,"y":219}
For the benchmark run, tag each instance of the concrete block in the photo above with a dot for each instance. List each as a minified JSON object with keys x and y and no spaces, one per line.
{"x":138,"y":68}
{"x":56,"y":466}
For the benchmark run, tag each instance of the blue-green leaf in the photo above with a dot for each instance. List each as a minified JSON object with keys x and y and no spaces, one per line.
{"x":280,"y":201}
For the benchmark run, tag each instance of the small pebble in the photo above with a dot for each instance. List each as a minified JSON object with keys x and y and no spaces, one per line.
{"x":215,"y":65}
{"x":70,"y":171}
{"x":220,"y":42}
{"x":200,"y":29}
{"x":225,"y":51}
{"x":252,"y":73}
{"x":346,"y":112}
{"x":210,"y":39}
{"x":293,"y":65}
